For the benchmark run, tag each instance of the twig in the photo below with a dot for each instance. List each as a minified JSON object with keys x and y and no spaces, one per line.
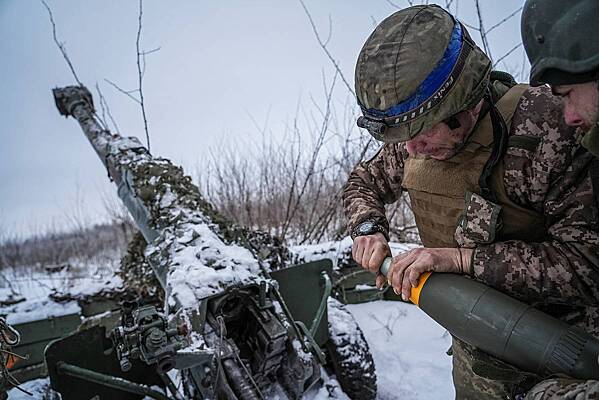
{"x":507,"y":54}
{"x":143,"y":59}
{"x":9,"y":284}
{"x":261,"y":130}
{"x":141,"y":70}
{"x":392,"y":319}
{"x":469,"y":26}
{"x":326,"y":42}
{"x":104,"y":105}
{"x":483,"y":34}
{"x":103,"y":118}
{"x":383,"y":325}
{"x":521,"y":76}
{"x":14,"y":354}
{"x":410,"y":2}
{"x":145,"y":53}
{"x":63,"y":51}
{"x":295,"y":168}
{"x":140,"y":74}
{"x":126,"y":93}
{"x":325,"y":49}
{"x":374,"y":21}
{"x":392,"y":4}
{"x":60,"y":45}
{"x":504,"y":20}
{"x":319,"y":143}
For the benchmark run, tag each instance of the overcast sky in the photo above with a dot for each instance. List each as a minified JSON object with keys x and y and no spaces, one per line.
{"x":220,"y":63}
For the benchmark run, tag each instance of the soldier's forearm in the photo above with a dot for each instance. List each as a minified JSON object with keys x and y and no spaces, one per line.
{"x":361,"y":205}
{"x":543,"y":272}
{"x":360,"y":211}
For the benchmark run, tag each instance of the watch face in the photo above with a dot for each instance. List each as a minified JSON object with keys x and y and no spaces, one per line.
{"x":366,"y":227}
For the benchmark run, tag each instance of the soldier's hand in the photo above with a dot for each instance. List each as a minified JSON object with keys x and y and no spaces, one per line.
{"x":406,"y":268}
{"x":370,"y":250}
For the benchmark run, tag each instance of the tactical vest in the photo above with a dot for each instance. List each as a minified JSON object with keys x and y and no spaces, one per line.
{"x":446,"y":198}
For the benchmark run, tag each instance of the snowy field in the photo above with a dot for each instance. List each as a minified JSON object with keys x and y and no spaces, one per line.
{"x":409,"y":351}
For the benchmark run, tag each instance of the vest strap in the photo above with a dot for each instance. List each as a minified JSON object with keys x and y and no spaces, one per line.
{"x":501,"y":117}
{"x":437,"y":188}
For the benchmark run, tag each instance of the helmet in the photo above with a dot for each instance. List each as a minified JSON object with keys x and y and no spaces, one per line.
{"x":419,"y":67}
{"x":561,"y":40}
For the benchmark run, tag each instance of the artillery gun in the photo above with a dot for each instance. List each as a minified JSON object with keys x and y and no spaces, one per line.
{"x":238,"y":322}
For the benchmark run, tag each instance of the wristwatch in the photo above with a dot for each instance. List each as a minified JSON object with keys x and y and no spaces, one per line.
{"x":368,"y":227}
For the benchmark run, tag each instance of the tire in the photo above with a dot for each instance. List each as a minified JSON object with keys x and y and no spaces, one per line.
{"x":349,"y":355}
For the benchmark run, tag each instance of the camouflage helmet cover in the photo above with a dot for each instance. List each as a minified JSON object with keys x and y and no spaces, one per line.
{"x":418,"y":68}
{"x":560,"y":39}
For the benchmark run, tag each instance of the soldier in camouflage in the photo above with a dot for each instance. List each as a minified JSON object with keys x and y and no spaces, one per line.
{"x":556,"y":39}
{"x":498,"y":182}
{"x":560,"y":39}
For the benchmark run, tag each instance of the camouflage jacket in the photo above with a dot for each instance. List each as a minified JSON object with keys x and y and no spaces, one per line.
{"x":559,"y":275}
{"x":564,"y":389}
{"x":591,"y":140}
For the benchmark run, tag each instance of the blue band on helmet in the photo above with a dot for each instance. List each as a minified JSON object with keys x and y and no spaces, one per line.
{"x":433,"y":82}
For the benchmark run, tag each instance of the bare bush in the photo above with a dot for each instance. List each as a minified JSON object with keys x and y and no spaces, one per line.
{"x":54,"y":247}
{"x":76,"y":238}
{"x":119,"y":218}
{"x":292,"y":187}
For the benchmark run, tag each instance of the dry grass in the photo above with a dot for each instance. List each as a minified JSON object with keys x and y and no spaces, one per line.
{"x":292,"y":187}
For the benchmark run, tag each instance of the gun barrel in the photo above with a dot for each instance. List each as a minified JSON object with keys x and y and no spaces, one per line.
{"x":114,"y":151}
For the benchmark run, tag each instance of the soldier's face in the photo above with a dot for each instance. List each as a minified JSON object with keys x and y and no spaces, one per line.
{"x":581,"y":103}
{"x":441,"y":142}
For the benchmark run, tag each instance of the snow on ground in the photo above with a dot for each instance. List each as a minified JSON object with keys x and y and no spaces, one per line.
{"x":408,"y":349}
{"x":36,"y":310}
{"x":37,"y":387}
{"x":329,"y":389}
{"x":34,"y":285}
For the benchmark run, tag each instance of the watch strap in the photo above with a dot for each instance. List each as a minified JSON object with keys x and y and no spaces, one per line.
{"x":376,"y":227}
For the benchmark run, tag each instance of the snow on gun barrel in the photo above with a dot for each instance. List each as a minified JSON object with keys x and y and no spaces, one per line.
{"x":243,"y":341}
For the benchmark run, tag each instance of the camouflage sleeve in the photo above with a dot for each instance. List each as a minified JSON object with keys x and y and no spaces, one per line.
{"x":555,"y":179}
{"x":564,"y":389}
{"x":371,"y":185}
{"x":564,"y":269}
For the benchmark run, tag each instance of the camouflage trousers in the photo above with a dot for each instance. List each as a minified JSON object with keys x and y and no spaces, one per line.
{"x":479,"y":376}
{"x":564,"y":388}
